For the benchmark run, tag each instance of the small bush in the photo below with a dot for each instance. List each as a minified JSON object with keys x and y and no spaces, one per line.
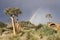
{"x":45,"y":30}
{"x":2,"y":25}
{"x":52,"y":37}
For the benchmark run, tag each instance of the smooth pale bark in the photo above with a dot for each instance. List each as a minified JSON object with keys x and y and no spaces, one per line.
{"x":13,"y":24}
{"x":17,"y":26}
{"x":49,"y":19}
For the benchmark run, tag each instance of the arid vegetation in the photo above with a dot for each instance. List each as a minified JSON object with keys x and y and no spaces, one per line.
{"x":40,"y":32}
{"x":25,"y":30}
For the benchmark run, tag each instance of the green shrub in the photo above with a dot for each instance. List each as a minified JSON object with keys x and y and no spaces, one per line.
{"x":53,"y":37}
{"x":2,"y":25}
{"x":45,"y":30}
{"x":39,"y":26}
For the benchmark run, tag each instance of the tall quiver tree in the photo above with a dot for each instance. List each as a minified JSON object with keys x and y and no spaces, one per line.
{"x":48,"y":16}
{"x":12,"y":12}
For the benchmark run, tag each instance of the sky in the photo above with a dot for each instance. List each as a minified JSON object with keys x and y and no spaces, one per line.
{"x":30,"y":8}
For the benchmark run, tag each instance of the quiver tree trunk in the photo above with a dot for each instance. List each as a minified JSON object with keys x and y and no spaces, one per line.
{"x":17,"y":26}
{"x":13,"y":25}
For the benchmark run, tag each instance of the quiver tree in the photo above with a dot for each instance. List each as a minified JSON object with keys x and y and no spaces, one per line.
{"x":48,"y":16}
{"x":12,"y":12}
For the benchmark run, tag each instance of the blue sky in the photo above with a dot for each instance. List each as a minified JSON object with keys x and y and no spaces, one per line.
{"x":29,"y":7}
